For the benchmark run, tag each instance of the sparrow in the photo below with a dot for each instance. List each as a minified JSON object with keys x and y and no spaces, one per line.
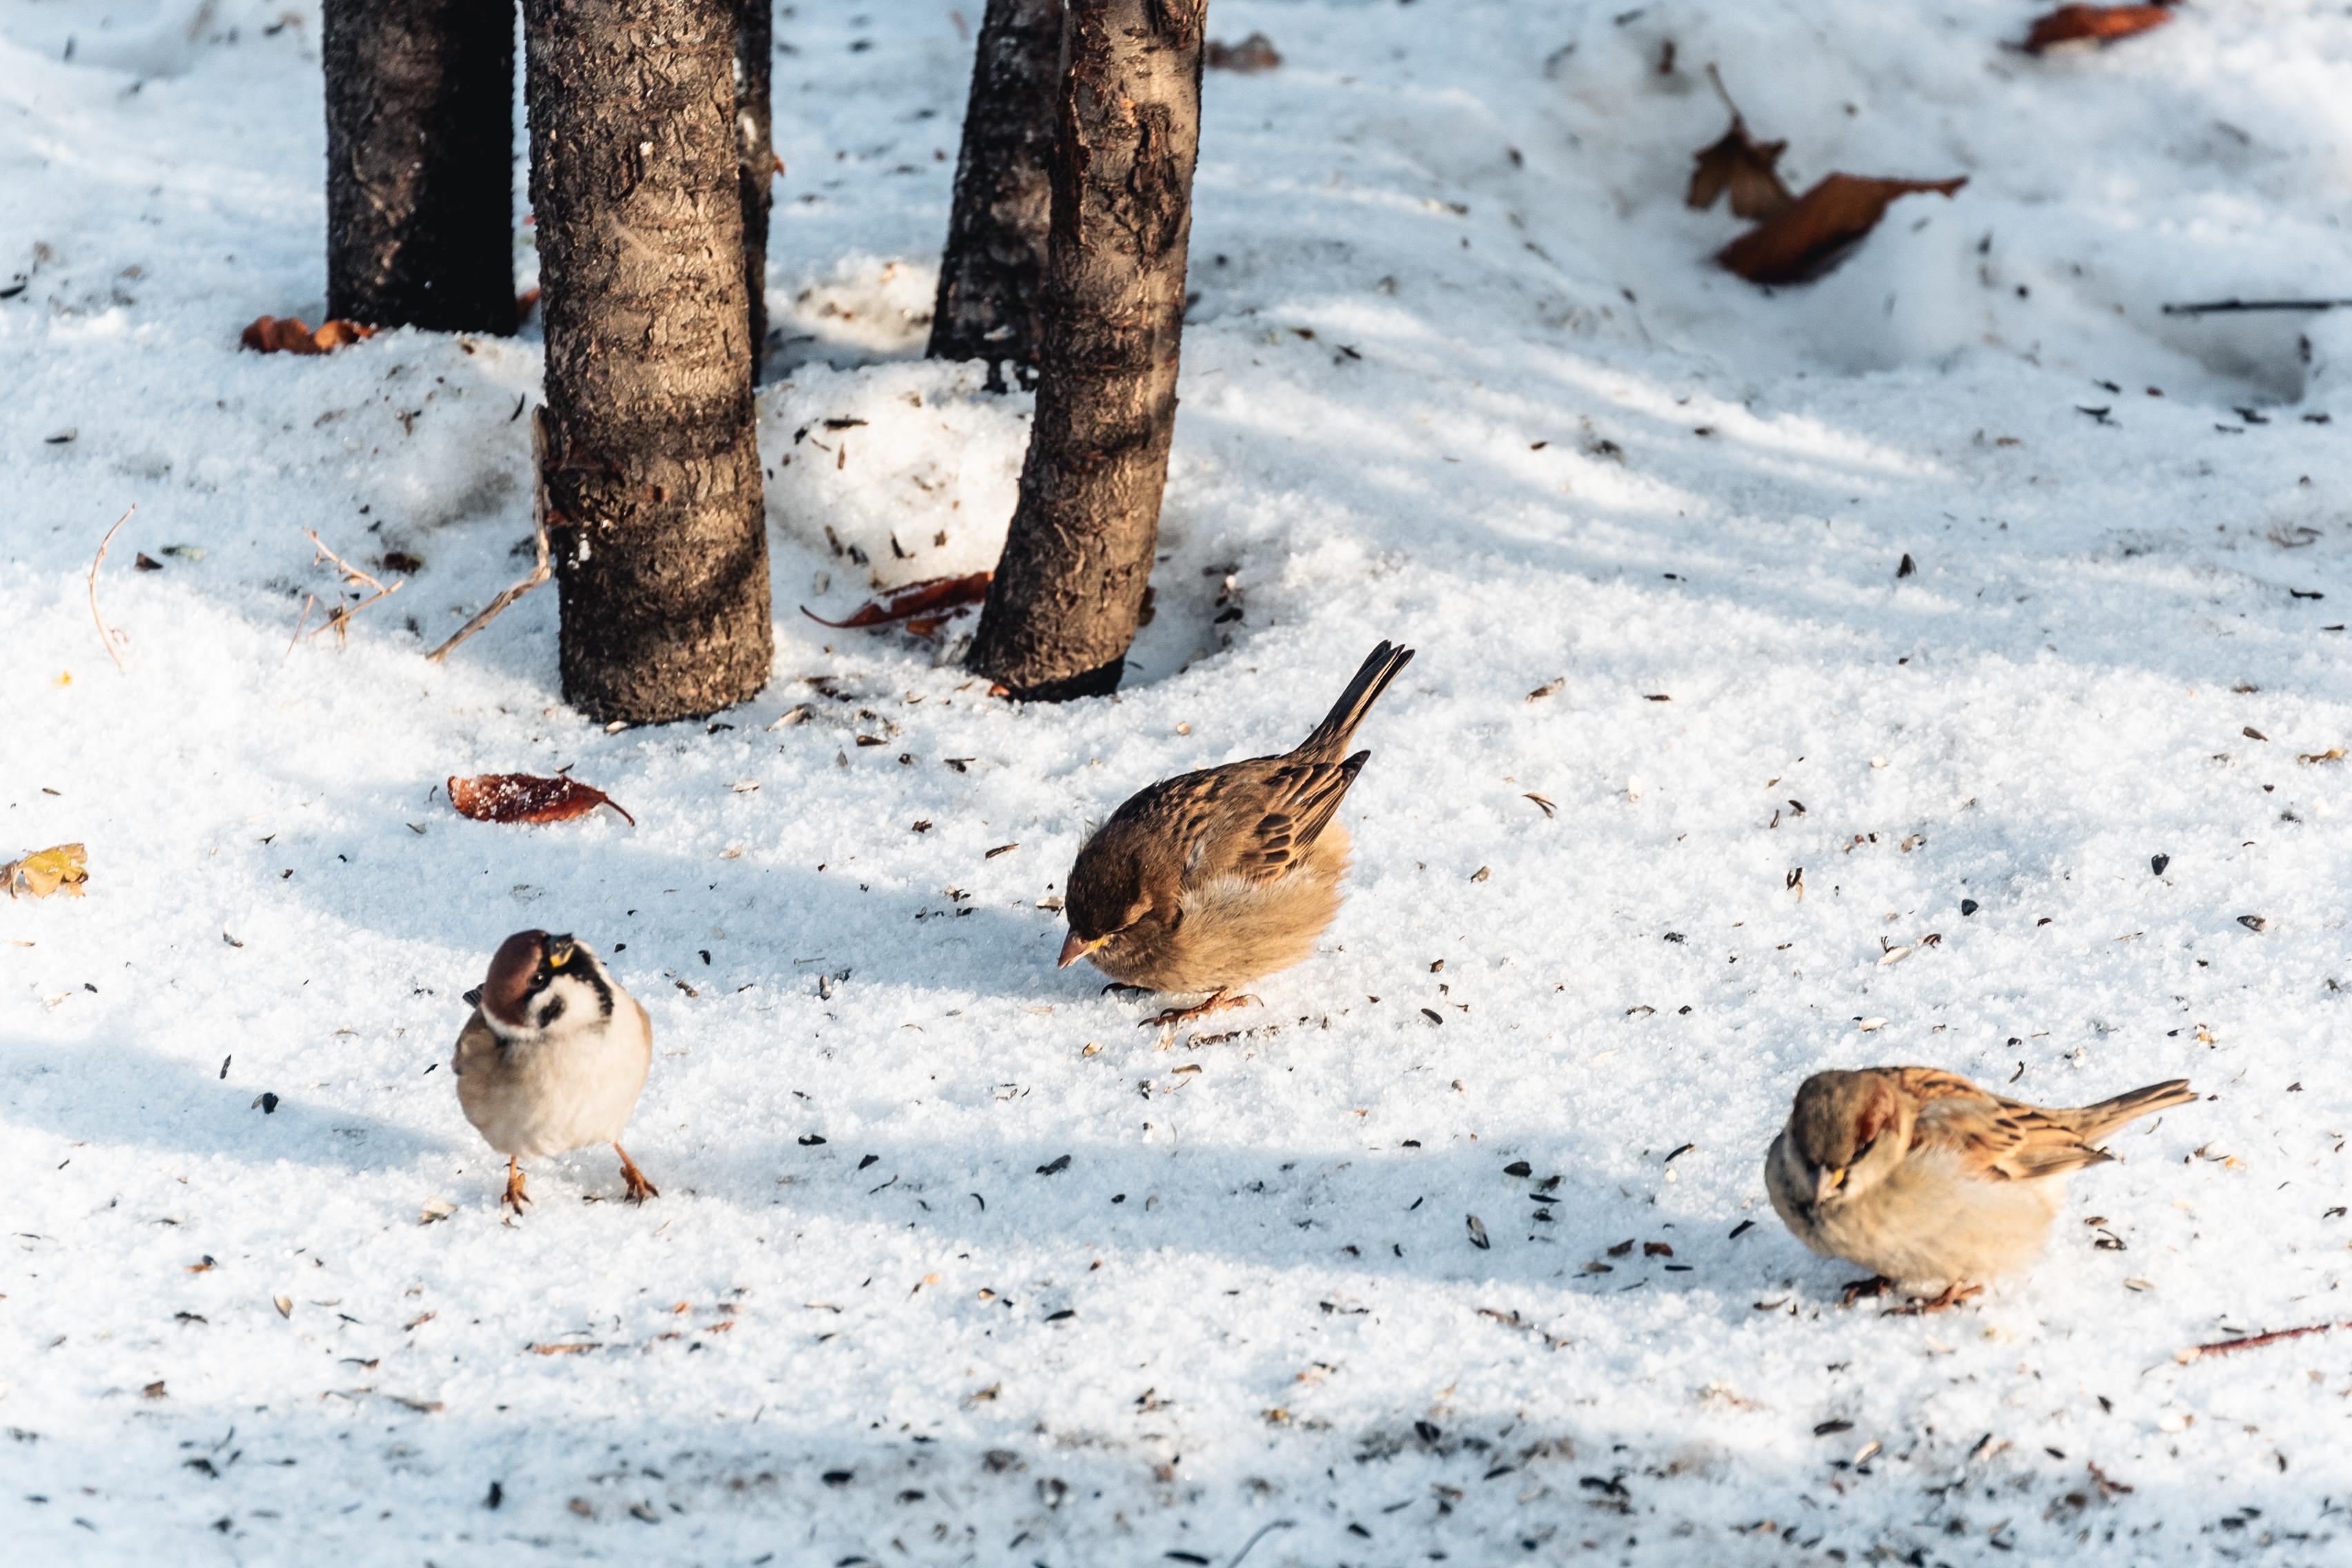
{"x":553,"y":1058}
{"x":1212,"y":880}
{"x":1921,"y":1177}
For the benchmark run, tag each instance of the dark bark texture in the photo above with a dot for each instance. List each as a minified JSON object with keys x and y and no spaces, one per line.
{"x":1063,"y":607}
{"x":755,"y":129}
{"x":420,"y":150}
{"x":652,"y":470}
{"x":994,"y":264}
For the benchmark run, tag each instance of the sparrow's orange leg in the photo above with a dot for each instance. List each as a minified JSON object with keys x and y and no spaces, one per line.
{"x":515,"y":1196}
{"x":1217,"y":1003}
{"x":1952,"y":1296}
{"x":1862,"y":1289}
{"x":639,"y":1188}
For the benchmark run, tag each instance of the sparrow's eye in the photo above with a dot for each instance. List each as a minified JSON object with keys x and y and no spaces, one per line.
{"x":1862,"y":1152}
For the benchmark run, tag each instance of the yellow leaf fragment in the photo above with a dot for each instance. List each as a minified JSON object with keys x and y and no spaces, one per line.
{"x":63,"y":868}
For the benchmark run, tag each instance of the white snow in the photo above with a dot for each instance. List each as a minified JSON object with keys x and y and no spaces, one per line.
{"x":832,"y":1353}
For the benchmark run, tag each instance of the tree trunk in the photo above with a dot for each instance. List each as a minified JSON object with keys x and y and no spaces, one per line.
{"x":755,"y":129}
{"x":420,"y":177}
{"x":1063,"y":609}
{"x":994,"y":264}
{"x":653,"y":476}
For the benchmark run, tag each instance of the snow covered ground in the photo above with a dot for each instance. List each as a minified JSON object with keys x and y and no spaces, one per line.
{"x":1460,"y":375}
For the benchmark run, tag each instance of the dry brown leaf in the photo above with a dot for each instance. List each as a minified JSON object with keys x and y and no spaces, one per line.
{"x":1254,"y":53}
{"x":1812,"y":235}
{"x":2093,"y":23}
{"x":528,"y":797}
{"x":579,"y":1349}
{"x":62,"y":868}
{"x":929,"y":599}
{"x":292,"y":335}
{"x":1743,"y":166}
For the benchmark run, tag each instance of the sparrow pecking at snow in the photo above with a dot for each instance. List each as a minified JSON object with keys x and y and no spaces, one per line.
{"x":1212,"y":880}
{"x":1921,"y":1177}
{"x":553,"y":1058}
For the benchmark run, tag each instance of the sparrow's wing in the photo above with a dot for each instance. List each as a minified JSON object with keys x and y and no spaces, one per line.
{"x":1997,"y":1140}
{"x":477,"y":1045}
{"x":1259,"y":824}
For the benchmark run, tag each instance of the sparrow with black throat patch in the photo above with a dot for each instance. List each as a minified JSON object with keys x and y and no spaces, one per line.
{"x":1209,"y":881}
{"x":553,"y":1058}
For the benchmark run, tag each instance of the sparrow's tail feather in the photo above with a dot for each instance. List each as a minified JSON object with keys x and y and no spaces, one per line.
{"x":1330,"y":741}
{"x":2095,"y":1121}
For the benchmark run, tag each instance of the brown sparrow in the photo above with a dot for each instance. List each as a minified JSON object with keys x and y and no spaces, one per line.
{"x":1919,"y":1175}
{"x":553,"y":1058}
{"x":1209,"y":881}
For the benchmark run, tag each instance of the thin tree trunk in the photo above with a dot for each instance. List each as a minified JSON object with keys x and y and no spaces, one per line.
{"x":755,"y":129}
{"x":420,"y":137}
{"x":1063,"y":609}
{"x":994,"y":264}
{"x":653,"y":471}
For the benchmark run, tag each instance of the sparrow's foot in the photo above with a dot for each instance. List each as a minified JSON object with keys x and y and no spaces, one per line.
{"x":1217,"y":1003}
{"x":1863,"y":1289}
{"x":639,"y":1188}
{"x":514,"y":1197}
{"x":1951,"y":1296}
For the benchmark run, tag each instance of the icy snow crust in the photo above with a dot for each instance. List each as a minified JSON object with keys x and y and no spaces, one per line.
{"x":1542,"y":440}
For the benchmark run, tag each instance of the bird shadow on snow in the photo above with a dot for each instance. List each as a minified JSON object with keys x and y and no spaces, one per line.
{"x":116,"y":1093}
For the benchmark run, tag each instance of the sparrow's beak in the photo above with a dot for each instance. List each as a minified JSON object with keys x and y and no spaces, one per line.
{"x":559,"y":951}
{"x":1075,"y":947}
{"x":1826,"y":1184}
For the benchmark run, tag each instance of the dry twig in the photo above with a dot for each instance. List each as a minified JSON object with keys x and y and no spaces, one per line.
{"x":2251,"y":1342}
{"x":105,"y":634}
{"x":539,"y":574}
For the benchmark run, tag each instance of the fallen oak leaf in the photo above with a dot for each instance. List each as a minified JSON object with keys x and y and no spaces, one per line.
{"x":528,"y":797}
{"x":292,"y":335}
{"x":1253,"y":54}
{"x":1743,"y":166}
{"x":61,"y":868}
{"x":1812,"y":235}
{"x":930,"y":597}
{"x":2093,"y":24}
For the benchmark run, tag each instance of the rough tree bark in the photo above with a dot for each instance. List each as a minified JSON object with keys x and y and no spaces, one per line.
{"x":420,"y":137}
{"x":1063,"y":609}
{"x":653,"y":469}
{"x":994,"y":264}
{"x":755,"y":130}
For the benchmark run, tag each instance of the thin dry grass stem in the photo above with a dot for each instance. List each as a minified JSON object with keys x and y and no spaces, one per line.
{"x":106,"y":634}
{"x":539,"y":574}
{"x":340,"y":617}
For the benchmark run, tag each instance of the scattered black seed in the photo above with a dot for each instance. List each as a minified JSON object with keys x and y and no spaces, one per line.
{"x":498,"y":1495}
{"x":2156,"y":863}
{"x":1742,"y":1228}
{"x":869,"y":1160}
{"x":1064,"y":1312}
{"x":1829,"y":1428}
{"x":1427,"y":1431}
{"x":2253,"y":922}
{"x":811,"y":1140}
{"x":1431,"y":1013}
{"x":839,"y":1478}
{"x":1906,"y":567}
{"x":1518,"y":1168}
{"x":268,"y":1103}
{"x":1060,"y":1162}
{"x":1967,"y":907}
{"x":1679,"y":1153}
